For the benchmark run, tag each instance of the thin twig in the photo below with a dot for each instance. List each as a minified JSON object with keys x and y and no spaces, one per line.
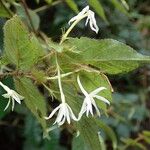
{"x":15,"y":73}
{"x":90,"y":68}
{"x":47,"y":6}
{"x":28,"y":15}
{"x":105,"y":77}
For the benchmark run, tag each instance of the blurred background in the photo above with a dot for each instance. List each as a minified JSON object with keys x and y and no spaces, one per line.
{"x":129,"y":114}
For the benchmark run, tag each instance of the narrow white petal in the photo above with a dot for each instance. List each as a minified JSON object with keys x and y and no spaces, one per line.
{"x":53,"y":112}
{"x":6,"y":88}
{"x":81,"y":87}
{"x":68,"y":118}
{"x":18,"y":95}
{"x":62,"y":121}
{"x":59,"y":118}
{"x":90,"y":110}
{"x":92,"y":21}
{"x":84,"y":10}
{"x":15,"y":96}
{"x":97,"y":110}
{"x":87,"y":113}
{"x":78,"y":133}
{"x":92,"y":27}
{"x":13,"y":104}
{"x":73,"y":116}
{"x":67,"y":114}
{"x":87,"y":20}
{"x":6,"y":95}
{"x":83,"y":110}
{"x":71,"y":113}
{"x":95,"y":27}
{"x":97,"y":91}
{"x":61,"y":114}
{"x":72,"y":19}
{"x":102,"y":99}
{"x":89,"y":106}
{"x":55,"y":121}
{"x":7,"y":104}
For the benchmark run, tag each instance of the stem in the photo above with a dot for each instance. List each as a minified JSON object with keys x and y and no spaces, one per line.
{"x":16,"y":74}
{"x":64,"y":37}
{"x":47,"y":6}
{"x":62,"y":75}
{"x":28,"y":14}
{"x":92,"y":69}
{"x":50,"y":91}
{"x":112,"y":90}
{"x":7,"y":9}
{"x":59,"y":83}
{"x":47,"y":55}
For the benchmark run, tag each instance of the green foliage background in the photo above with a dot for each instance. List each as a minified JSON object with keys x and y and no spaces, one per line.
{"x":128,"y":123}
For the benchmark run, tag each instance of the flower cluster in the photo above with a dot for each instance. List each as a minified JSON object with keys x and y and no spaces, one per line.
{"x":65,"y":112}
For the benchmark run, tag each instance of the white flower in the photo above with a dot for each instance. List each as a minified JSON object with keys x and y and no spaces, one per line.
{"x":12,"y":95}
{"x":64,"y":113}
{"x":92,"y":21}
{"x":89,"y":101}
{"x":80,"y":14}
{"x":86,"y":12}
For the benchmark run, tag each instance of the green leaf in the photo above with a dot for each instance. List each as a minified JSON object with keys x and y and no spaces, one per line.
{"x":33,"y":16}
{"x":54,"y":45}
{"x":109,"y":56}
{"x":34,"y":101}
{"x":98,"y":8}
{"x":32,"y":133}
{"x":146,"y":135}
{"x":3,"y":11}
{"x":72,"y":5}
{"x":49,"y":1}
{"x":78,"y":144}
{"x":133,"y":143}
{"x":110,"y":133}
{"x":119,"y":6}
{"x":21,"y":48}
{"x":38,"y":75}
{"x":89,"y":132}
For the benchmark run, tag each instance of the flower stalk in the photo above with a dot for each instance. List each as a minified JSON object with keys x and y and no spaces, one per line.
{"x":64,"y":37}
{"x":64,"y":110}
